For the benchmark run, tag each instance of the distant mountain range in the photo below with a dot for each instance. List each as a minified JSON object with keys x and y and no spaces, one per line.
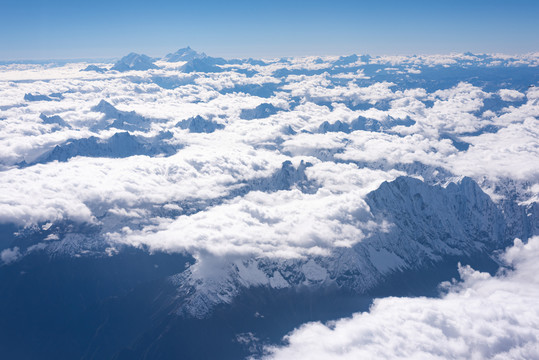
{"x":195,"y":207}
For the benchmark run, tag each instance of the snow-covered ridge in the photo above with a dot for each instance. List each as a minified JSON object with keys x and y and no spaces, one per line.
{"x":426,"y":224}
{"x":119,"y":145}
{"x":184,"y":54}
{"x":279,"y":173}
{"x":134,"y":61}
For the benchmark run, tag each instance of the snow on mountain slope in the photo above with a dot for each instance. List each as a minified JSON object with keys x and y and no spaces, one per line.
{"x":95,"y":68}
{"x":198,"y":124}
{"x":54,"y":119}
{"x":233,"y":200}
{"x":308,"y":191}
{"x":119,"y":145}
{"x":184,"y":54}
{"x":40,"y":97}
{"x":134,"y":61}
{"x":482,"y":316}
{"x":260,"y":112}
{"x":124,"y":120}
{"x":203,"y":65}
{"x":425,"y":224}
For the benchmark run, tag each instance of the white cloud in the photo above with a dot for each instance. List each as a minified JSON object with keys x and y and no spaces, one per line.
{"x":128,"y":191}
{"x":453,"y":109}
{"x":10,"y":255}
{"x":511,"y":95}
{"x":318,"y":88}
{"x":481,"y":317}
{"x":512,"y":152}
{"x":369,"y":147}
{"x":281,"y":224}
{"x":86,"y":187}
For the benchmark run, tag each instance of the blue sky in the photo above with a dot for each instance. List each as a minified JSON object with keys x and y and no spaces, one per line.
{"x":96,"y":29}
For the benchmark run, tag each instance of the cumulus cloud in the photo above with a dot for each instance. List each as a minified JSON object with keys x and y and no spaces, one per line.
{"x":467,"y":59}
{"x":453,"y":110}
{"x":154,"y":196}
{"x":512,"y":152}
{"x":318,"y":88}
{"x":511,"y":95}
{"x":375,"y":147}
{"x":10,"y":255}
{"x":83,"y":188}
{"x":283,"y":224}
{"x":480,"y":317}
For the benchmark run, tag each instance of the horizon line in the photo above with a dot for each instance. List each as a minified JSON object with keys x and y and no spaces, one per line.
{"x":157,"y":58}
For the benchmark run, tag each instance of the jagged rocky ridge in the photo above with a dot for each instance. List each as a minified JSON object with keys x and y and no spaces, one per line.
{"x":426,"y":224}
{"x":198,"y":124}
{"x":418,"y":226}
{"x":41,"y":97}
{"x":54,"y":119}
{"x":119,"y":145}
{"x":203,"y":65}
{"x":262,"y":111}
{"x":73,"y":239}
{"x":184,"y":54}
{"x":365,"y":124}
{"x":95,"y":68}
{"x":125,"y":120}
{"x":134,"y":61}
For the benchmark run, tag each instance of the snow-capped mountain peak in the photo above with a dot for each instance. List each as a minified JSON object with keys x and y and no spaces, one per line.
{"x":184,"y":54}
{"x":134,"y":61}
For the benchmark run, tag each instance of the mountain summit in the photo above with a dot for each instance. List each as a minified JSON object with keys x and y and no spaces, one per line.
{"x":184,"y":54}
{"x":134,"y":61}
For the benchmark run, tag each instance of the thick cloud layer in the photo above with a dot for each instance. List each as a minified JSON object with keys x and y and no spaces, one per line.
{"x":203,"y":145}
{"x":480,"y":317}
{"x":283,"y":224}
{"x":280,"y":174}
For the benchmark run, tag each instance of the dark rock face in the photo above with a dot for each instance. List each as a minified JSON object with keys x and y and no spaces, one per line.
{"x":118,"y":119}
{"x":120,"y":145}
{"x":198,"y":124}
{"x":95,"y":68}
{"x":40,"y":97}
{"x":262,"y":111}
